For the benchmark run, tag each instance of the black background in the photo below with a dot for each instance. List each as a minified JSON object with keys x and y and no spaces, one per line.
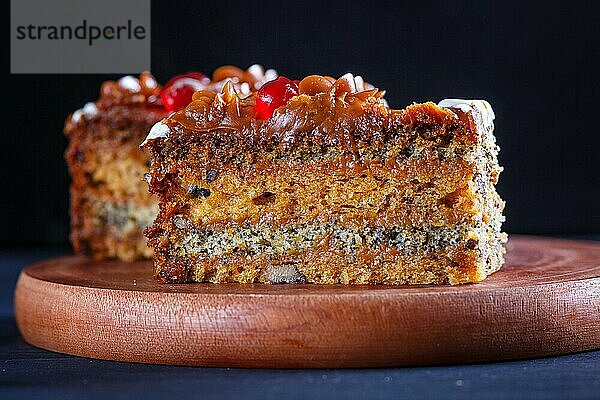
{"x":536,"y":63}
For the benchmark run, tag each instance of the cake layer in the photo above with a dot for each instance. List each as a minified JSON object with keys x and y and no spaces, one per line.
{"x":405,"y":192}
{"x":384,"y":264}
{"x":290,"y":239}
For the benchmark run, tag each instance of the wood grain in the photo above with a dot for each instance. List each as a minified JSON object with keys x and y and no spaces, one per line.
{"x":545,"y":301}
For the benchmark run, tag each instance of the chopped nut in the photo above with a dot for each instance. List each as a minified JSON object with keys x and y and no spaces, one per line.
{"x":266,"y":197}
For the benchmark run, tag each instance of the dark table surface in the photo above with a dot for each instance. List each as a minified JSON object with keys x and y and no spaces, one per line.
{"x":28,"y":372}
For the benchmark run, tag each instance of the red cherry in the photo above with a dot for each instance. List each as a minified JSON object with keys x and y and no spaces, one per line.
{"x":177,"y":92}
{"x":273,"y":95}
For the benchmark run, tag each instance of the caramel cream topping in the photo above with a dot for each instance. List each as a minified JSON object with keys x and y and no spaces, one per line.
{"x":326,"y":111}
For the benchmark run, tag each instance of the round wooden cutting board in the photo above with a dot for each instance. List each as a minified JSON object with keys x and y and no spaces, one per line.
{"x":545,"y":301}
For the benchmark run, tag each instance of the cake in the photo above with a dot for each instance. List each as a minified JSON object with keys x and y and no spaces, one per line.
{"x":320,"y":181}
{"x":110,"y":204}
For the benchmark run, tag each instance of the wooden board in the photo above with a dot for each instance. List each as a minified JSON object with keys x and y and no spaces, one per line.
{"x":545,"y":301}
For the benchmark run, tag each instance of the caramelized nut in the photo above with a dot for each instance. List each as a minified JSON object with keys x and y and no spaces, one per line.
{"x":314,"y":84}
{"x":265,"y":198}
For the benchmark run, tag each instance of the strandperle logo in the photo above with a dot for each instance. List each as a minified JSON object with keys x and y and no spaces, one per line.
{"x":89,"y":33}
{"x":80,"y":36}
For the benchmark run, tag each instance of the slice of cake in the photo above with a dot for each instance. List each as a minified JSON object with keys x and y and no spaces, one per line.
{"x":110,"y":204}
{"x":319,"y":181}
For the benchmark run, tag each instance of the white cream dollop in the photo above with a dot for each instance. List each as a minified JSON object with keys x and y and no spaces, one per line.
{"x":270,"y":75}
{"x":89,"y":109}
{"x":257,"y":71}
{"x":481,"y":107}
{"x":130,"y":83}
{"x":360,"y":83}
{"x":158,"y":130}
